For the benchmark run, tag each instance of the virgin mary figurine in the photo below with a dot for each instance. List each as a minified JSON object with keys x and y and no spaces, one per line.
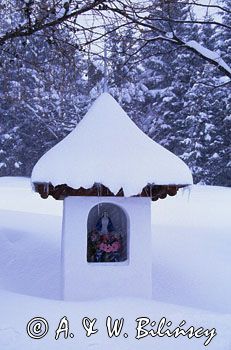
{"x":104,"y":224}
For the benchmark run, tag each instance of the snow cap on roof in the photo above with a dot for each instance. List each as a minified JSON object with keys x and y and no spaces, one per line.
{"x":106,"y":147}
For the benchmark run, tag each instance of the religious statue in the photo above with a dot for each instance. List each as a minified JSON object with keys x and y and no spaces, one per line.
{"x":104,"y":243}
{"x":104,"y":224}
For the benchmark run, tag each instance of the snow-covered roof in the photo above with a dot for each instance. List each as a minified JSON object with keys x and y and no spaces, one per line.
{"x":106,"y":147}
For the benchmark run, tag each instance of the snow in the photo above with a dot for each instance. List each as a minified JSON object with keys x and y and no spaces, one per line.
{"x":2,"y":165}
{"x":107,"y":147}
{"x":191,"y":273}
{"x":15,"y":338}
{"x":214,"y":56}
{"x":192,"y":249}
{"x":29,"y":202}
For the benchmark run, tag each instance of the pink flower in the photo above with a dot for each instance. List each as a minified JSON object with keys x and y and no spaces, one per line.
{"x":108,"y":248}
{"x":105,"y":247}
{"x":115,"y":246}
{"x":102,"y":247}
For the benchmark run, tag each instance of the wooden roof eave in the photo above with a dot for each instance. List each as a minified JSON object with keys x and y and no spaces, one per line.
{"x":62,"y":191}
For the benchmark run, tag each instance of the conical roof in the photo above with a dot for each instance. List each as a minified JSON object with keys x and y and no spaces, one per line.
{"x":106,"y":147}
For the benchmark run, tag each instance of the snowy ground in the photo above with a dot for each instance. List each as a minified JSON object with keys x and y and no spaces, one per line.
{"x":191,"y":273}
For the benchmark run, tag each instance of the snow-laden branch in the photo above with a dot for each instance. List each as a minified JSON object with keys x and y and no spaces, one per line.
{"x":37,"y":115}
{"x":211,"y":56}
{"x":208,"y":55}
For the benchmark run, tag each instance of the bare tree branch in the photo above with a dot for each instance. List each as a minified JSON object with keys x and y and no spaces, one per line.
{"x":218,"y":62}
{"x":119,"y":14}
{"x":25,"y":30}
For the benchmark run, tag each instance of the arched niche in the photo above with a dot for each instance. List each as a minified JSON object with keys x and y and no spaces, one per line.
{"x":107,"y":230}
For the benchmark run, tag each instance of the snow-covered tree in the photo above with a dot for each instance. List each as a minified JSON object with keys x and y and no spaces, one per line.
{"x":42,"y":96}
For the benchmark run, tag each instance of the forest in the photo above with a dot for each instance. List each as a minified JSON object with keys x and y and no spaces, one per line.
{"x":167,"y":62}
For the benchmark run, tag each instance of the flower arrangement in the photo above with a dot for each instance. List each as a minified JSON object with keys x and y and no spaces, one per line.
{"x":104,"y":248}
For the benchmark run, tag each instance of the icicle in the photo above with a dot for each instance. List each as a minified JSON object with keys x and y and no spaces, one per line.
{"x":187,"y":190}
{"x":98,"y":193}
{"x":46,"y":188}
